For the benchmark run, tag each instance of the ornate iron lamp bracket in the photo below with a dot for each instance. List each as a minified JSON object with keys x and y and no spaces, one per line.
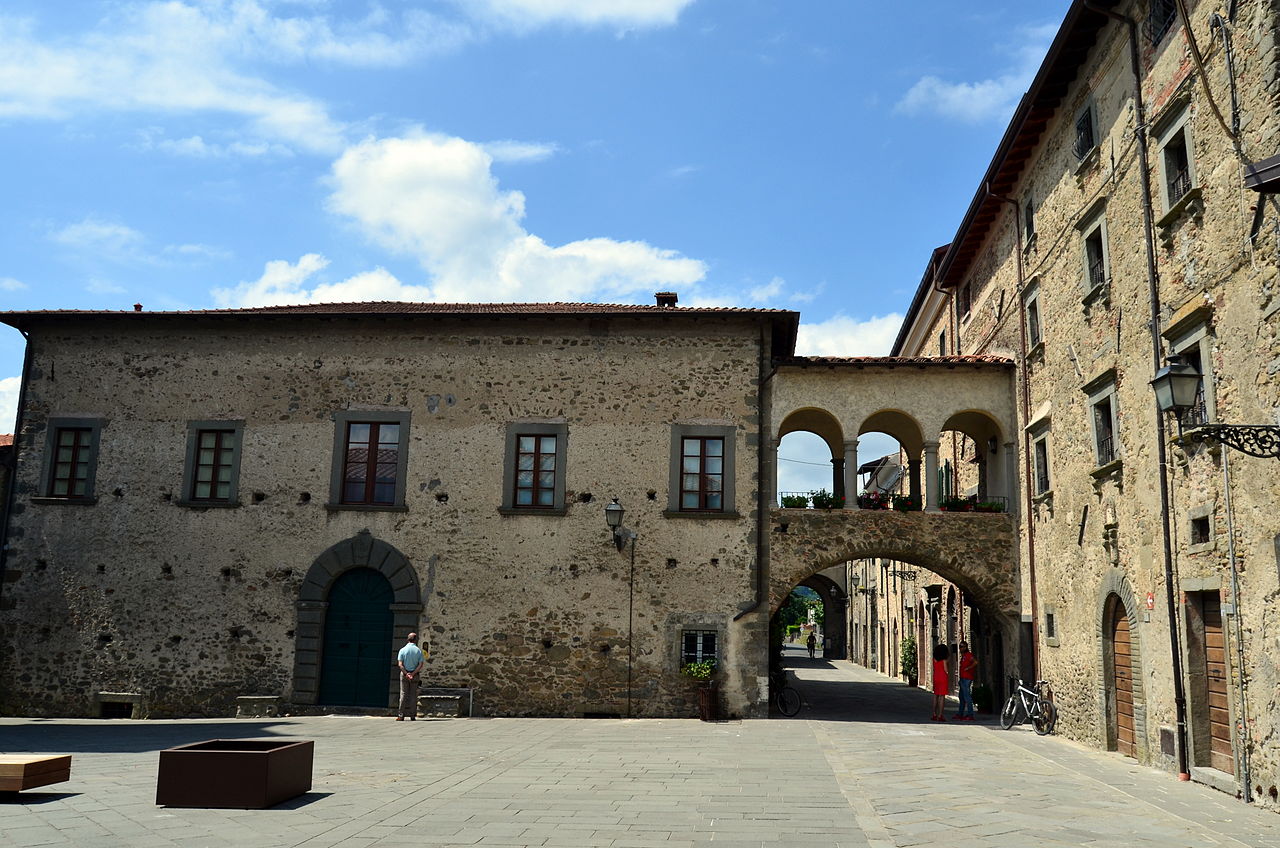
{"x":1260,"y":440}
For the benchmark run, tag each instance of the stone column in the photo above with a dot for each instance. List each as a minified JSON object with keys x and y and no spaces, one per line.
{"x":771,"y":471}
{"x":931,"y":476}
{"x":837,"y":479}
{"x":851,"y":473}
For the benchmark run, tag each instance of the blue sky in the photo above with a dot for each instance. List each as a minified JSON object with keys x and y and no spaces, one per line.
{"x":799,"y":154}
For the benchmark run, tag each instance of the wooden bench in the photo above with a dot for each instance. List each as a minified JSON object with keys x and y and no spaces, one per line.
{"x":27,"y":771}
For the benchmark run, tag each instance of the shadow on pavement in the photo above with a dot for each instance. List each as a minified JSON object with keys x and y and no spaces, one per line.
{"x":27,"y":798}
{"x":116,"y":736}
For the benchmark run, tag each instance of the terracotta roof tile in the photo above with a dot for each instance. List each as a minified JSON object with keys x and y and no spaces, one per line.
{"x":891,"y":361}
{"x":413,"y":308}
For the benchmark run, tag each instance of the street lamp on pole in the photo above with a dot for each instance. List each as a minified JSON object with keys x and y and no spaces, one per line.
{"x":613,"y":514}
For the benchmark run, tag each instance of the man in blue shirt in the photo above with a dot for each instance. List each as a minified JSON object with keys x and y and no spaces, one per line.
{"x":410,"y":660}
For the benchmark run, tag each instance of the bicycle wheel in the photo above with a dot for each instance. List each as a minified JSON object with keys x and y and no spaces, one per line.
{"x":1046,"y":718}
{"x":788,"y":701}
{"x":1009,"y":715}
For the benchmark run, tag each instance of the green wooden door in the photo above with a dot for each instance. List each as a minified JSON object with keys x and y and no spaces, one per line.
{"x":356,"y":667}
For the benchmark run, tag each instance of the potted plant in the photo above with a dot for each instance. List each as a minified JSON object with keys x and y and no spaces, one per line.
{"x":956,"y":504}
{"x":910,"y":668}
{"x":873,"y":500}
{"x":906,"y":503}
{"x":988,"y":506}
{"x":703,"y":673}
{"x":822,"y":499}
{"x":795,"y":501}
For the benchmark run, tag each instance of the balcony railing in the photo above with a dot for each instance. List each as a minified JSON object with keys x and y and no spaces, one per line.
{"x":1106,"y":449}
{"x":1179,"y":185}
{"x":1097,"y":272}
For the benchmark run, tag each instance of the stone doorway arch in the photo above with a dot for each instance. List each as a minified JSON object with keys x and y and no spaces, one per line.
{"x":1124,"y":713}
{"x":360,"y":551}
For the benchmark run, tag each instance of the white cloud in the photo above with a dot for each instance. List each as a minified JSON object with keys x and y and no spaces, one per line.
{"x":982,"y":100}
{"x":284,"y":284}
{"x":618,"y":13}
{"x":9,"y":403}
{"x":197,"y":148}
{"x":99,"y":286}
{"x":768,"y":292}
{"x":841,"y":335}
{"x":519,"y":151}
{"x":117,"y":242}
{"x":435,"y":198}
{"x":10,"y":284}
{"x":113,"y":240}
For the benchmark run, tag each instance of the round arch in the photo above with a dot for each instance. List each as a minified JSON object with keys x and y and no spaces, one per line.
{"x":360,"y":551}
{"x":901,"y":425}
{"x":834,"y":609}
{"x":976,"y":424}
{"x":1116,"y":599}
{"x":823,"y":424}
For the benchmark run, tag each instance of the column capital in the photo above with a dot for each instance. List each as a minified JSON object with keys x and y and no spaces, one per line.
{"x":850,"y":444}
{"x":932,"y":445}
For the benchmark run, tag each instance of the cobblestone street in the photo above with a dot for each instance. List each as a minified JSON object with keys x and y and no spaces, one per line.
{"x":860,"y":766}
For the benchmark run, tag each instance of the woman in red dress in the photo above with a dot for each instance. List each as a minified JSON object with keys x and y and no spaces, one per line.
{"x":941,"y":684}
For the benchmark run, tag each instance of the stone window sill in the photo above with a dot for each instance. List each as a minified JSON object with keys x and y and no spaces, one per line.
{"x":1052,"y":641}
{"x":1037,"y":351}
{"x":714,"y":516}
{"x":1043,"y":497}
{"x":1089,"y":160}
{"x":1115,"y":466}
{"x":534,"y":513}
{"x":207,"y":504}
{"x":1100,"y":293}
{"x":49,"y":501}
{"x":332,"y":507}
{"x":1190,"y":205}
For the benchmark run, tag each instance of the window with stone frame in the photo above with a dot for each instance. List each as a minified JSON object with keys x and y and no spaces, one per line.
{"x":1095,"y":255}
{"x":1032,"y":305}
{"x":70,"y":462}
{"x":370,"y":460}
{"x":1086,"y":135}
{"x":702,"y":469}
{"x":1176,"y":163}
{"x":1104,"y":420}
{"x":1042,"y":484}
{"x":1195,"y":347}
{"x":534,"y":478}
{"x":1028,"y":222}
{"x":964,"y":300}
{"x":69,"y":471}
{"x":212,"y":470}
{"x":697,"y":646}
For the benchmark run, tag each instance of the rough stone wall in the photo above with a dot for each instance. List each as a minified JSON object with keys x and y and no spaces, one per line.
{"x":1100,"y":530}
{"x":192,"y":607}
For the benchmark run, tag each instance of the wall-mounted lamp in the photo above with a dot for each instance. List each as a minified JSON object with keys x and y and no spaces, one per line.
{"x":1176,"y":386}
{"x":613,"y":517}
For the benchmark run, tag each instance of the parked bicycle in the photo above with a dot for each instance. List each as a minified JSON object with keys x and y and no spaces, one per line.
{"x":1034,"y":704}
{"x":785,"y":696}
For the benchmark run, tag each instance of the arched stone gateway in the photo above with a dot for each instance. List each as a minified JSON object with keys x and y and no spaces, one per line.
{"x":360,"y":551}
{"x":976,"y":551}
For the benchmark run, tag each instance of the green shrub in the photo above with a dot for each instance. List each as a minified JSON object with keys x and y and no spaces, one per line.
{"x":702,"y":670}
{"x":822,"y":499}
{"x":795,"y":501}
{"x":909,"y":659}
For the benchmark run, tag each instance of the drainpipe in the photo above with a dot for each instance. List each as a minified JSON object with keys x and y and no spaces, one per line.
{"x":1029,"y":489}
{"x":13,"y":472}
{"x":1157,"y":360}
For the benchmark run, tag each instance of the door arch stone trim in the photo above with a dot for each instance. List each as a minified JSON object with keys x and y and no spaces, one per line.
{"x":362,"y":550}
{"x":1116,"y":582}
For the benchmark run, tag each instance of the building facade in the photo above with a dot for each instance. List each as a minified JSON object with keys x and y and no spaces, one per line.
{"x":1128,"y":216}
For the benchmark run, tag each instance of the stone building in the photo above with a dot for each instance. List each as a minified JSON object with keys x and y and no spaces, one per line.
{"x":262,"y":502}
{"x":1129,"y":215}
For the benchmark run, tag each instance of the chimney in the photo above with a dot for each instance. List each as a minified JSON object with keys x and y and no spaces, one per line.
{"x":666,"y":298}
{"x":137,"y":307}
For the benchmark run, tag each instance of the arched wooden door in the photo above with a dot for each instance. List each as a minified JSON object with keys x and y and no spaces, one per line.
{"x":1120,"y":685}
{"x":355,"y":668}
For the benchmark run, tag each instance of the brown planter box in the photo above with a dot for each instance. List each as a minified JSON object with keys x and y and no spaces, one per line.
{"x":237,"y":773}
{"x":27,"y":771}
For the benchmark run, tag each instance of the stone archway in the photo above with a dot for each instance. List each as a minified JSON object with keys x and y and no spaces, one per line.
{"x":360,"y":551}
{"x":977,"y":552}
{"x":834,"y":612}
